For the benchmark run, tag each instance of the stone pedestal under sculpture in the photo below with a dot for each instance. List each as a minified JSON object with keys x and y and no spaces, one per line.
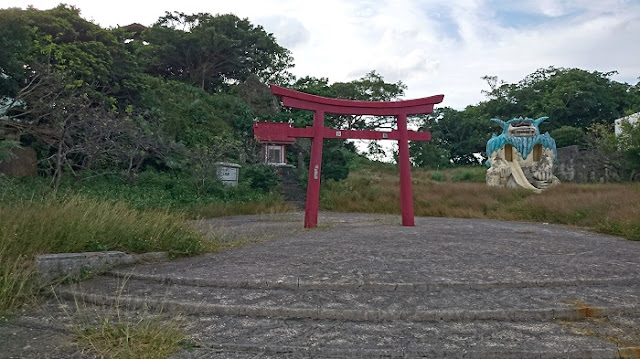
{"x":521,"y":157}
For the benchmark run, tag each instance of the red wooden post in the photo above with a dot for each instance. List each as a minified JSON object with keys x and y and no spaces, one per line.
{"x":315,"y":164}
{"x":404,"y":166}
{"x":285,"y":133}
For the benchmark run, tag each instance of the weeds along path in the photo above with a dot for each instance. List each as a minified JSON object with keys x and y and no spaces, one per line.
{"x":362,"y":286}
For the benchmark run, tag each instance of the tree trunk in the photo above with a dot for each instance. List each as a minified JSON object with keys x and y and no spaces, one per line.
{"x":57,"y":175}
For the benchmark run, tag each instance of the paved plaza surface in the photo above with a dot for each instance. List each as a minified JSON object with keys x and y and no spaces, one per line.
{"x":362,"y":286}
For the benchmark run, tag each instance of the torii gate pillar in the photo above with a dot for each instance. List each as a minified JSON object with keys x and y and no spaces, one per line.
{"x":285,"y":133}
{"x":315,"y":165}
{"x":404,"y":166}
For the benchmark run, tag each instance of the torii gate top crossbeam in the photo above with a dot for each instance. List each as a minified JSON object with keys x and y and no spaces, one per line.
{"x":304,"y":101}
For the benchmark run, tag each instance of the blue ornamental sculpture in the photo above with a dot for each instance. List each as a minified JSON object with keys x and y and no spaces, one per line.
{"x":521,"y":157}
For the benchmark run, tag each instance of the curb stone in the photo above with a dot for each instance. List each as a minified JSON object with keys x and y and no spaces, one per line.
{"x":55,"y":267}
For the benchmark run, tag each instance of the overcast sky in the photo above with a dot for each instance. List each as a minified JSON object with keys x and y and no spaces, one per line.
{"x":433,"y":46}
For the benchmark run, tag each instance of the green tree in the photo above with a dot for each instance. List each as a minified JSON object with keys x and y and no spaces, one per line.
{"x":629,"y":144}
{"x":570,"y":97}
{"x":258,"y":96}
{"x":63,"y":119}
{"x":60,"y":40}
{"x":16,"y":45}
{"x":429,"y":155}
{"x":82,"y":96}
{"x":335,"y":159}
{"x":568,"y":136}
{"x":336,"y":154}
{"x":370,"y":87}
{"x":211,"y":52}
{"x":463,"y":134}
{"x":193,"y":116}
{"x":602,"y":138}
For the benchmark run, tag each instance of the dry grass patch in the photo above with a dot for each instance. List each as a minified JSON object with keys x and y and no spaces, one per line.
{"x":148,"y":337}
{"x":607,"y":208}
{"x":117,"y":331}
{"x":238,"y":208}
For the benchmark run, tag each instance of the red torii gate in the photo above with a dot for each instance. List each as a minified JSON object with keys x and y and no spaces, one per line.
{"x":285,"y":133}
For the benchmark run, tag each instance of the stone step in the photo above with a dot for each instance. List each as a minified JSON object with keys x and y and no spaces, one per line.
{"x":245,"y":337}
{"x":506,"y":304}
{"x":292,"y":191}
{"x":146,"y":273}
{"x":239,"y":337}
{"x":289,"y":179}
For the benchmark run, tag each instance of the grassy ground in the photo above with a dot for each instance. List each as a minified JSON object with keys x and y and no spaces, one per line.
{"x":79,"y":224}
{"x":39,"y":223}
{"x":119,"y":332}
{"x":109,"y":214}
{"x":606,"y":208}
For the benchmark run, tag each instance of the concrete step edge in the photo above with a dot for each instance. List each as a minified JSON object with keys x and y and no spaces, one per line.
{"x":302,"y":284}
{"x":320,"y":313}
{"x":315,"y":352}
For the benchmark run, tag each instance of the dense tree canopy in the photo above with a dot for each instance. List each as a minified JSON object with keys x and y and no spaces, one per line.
{"x":370,"y":87}
{"x":212,"y":51}
{"x":570,"y":97}
{"x":177,"y":95}
{"x":89,"y":98}
{"x":185,"y":91}
{"x":574,"y":100}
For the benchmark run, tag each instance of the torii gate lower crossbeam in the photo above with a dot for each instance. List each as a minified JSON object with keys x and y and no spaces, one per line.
{"x":285,"y":133}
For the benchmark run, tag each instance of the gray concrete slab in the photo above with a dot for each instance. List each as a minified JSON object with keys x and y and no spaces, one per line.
{"x":364,"y":286}
{"x":356,"y":250}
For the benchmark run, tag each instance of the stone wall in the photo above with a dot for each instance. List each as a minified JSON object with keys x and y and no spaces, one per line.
{"x":577,"y":165}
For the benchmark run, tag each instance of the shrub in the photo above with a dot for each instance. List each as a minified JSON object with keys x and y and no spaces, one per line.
{"x":261,"y":177}
{"x":470,"y":174}
{"x":437,"y":176}
{"x":568,"y":136}
{"x":335,"y":162}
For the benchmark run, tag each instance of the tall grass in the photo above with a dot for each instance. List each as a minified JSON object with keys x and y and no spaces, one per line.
{"x":152,"y":191}
{"x":265,"y":206}
{"x":108,"y":213}
{"x":78,"y":224}
{"x":606,"y":208}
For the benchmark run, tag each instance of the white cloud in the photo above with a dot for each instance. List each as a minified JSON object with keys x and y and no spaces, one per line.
{"x":433,"y":46}
{"x":289,"y":32}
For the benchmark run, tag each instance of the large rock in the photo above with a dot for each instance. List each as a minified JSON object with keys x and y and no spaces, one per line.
{"x":24,"y":163}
